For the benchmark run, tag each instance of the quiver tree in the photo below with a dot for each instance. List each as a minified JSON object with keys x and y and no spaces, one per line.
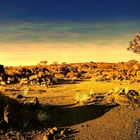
{"x":134,"y":45}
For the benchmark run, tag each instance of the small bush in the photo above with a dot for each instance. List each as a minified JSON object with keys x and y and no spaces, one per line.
{"x":83,"y":97}
{"x":25,"y":90}
{"x":43,"y":116}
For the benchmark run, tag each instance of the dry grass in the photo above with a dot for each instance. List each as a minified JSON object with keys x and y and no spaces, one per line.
{"x":43,"y":116}
{"x":69,"y":93}
{"x":82,"y":98}
{"x":2,"y":89}
{"x":122,"y":95}
{"x":24,"y":90}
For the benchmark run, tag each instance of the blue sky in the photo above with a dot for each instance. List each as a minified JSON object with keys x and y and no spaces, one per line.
{"x":79,"y":10}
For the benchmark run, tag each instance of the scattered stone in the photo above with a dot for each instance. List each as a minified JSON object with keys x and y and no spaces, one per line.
{"x":123,"y":96}
{"x":45,"y":137}
{"x":19,"y":96}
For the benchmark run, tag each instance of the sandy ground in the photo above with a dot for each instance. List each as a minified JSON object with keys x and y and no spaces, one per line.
{"x":88,"y":121}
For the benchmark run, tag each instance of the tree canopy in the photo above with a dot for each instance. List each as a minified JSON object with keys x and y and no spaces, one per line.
{"x":134,"y":45}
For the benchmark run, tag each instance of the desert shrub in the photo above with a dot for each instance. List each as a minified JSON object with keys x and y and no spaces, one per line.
{"x":84,"y":97}
{"x":64,"y":63}
{"x":42,"y":116}
{"x":55,"y":63}
{"x":2,"y":89}
{"x":24,"y":90}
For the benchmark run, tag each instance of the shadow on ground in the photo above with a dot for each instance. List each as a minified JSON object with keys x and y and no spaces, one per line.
{"x":74,"y":81}
{"x":64,"y":116}
{"x":69,"y":82}
{"x":61,"y":115}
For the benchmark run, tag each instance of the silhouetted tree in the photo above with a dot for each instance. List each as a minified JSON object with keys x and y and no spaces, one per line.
{"x":64,"y":63}
{"x":134,"y":45}
{"x":55,"y":63}
{"x":43,"y":62}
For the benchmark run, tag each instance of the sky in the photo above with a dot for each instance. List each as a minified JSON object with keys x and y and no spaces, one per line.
{"x":67,"y":30}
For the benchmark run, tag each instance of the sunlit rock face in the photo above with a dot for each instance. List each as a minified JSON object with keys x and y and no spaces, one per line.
{"x":134,"y":45}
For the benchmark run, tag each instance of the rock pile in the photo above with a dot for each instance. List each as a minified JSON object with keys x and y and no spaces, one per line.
{"x":21,"y":112}
{"x":25,"y":76}
{"x":54,"y":134}
{"x":58,"y":74}
{"x":123,"y":96}
{"x":46,"y":134}
{"x":38,"y":75}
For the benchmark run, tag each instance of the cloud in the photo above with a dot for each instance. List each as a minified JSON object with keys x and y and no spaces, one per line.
{"x":28,"y":43}
{"x":67,"y":32}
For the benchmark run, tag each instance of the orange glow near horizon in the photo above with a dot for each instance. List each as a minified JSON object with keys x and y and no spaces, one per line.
{"x":15,"y":54}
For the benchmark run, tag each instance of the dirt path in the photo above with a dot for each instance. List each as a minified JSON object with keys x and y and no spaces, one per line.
{"x":120,"y":123}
